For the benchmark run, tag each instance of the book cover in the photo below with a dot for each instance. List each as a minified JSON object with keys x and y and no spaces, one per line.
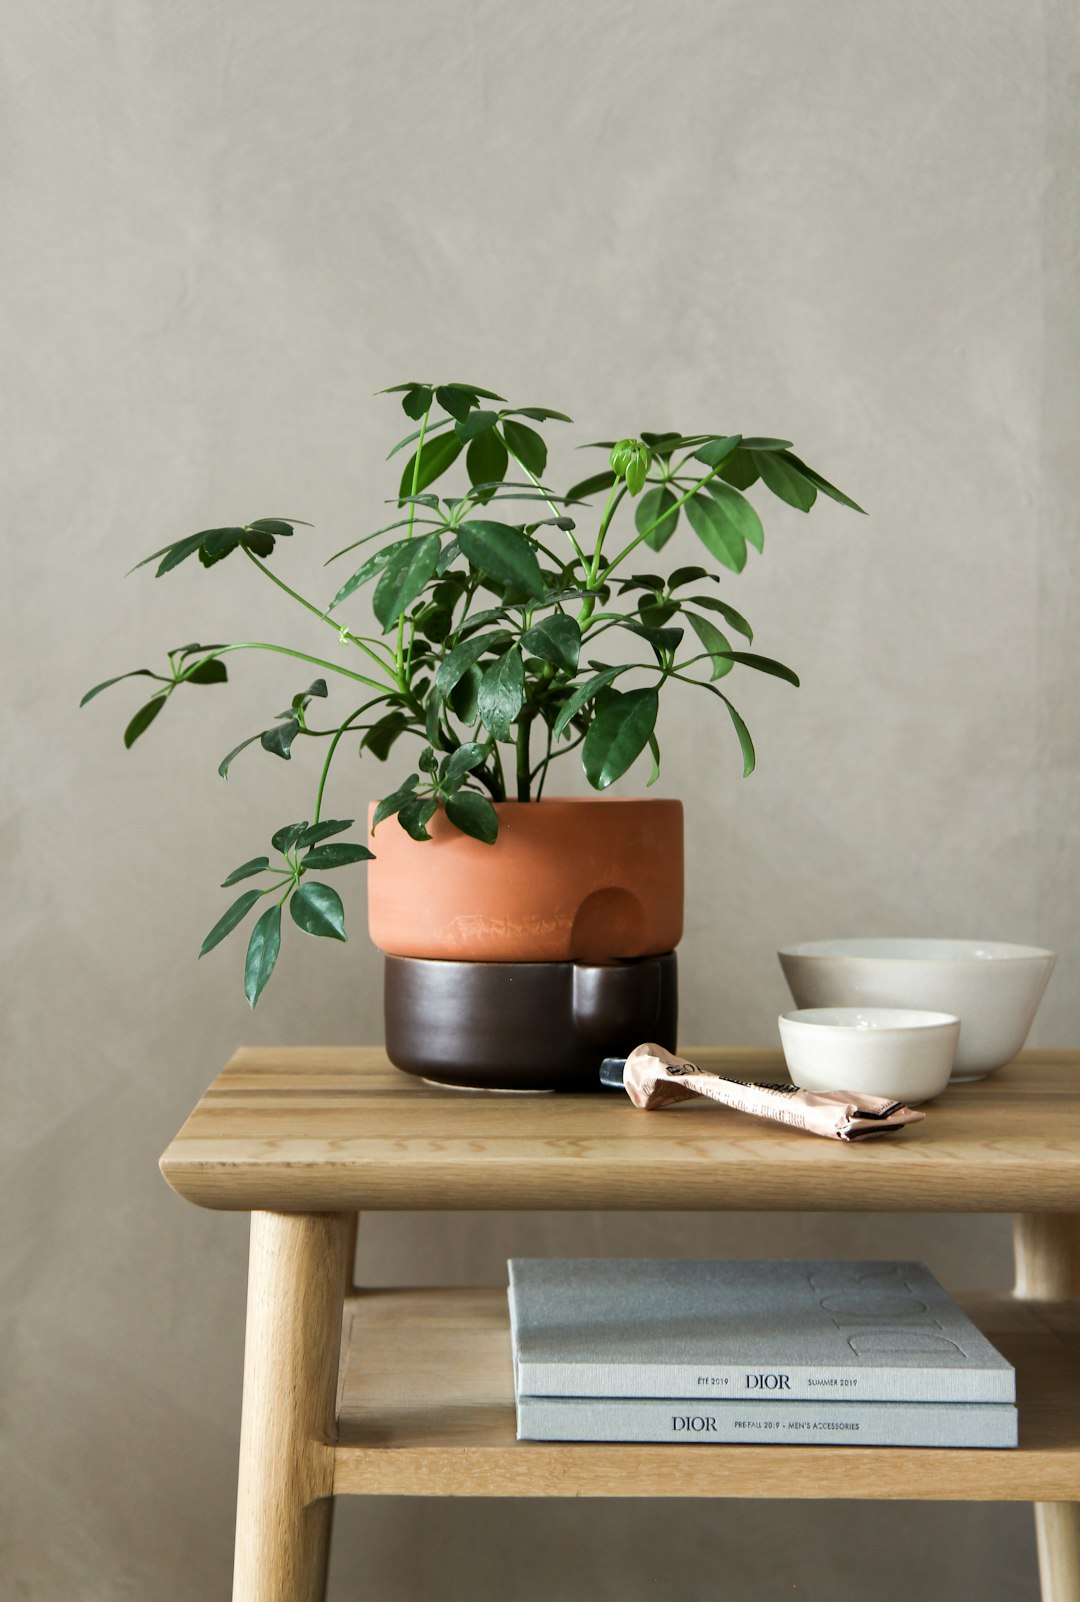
{"x":963,"y":1424}
{"x":758,"y":1330}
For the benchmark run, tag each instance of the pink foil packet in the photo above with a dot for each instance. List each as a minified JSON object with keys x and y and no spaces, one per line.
{"x":653,"y":1078}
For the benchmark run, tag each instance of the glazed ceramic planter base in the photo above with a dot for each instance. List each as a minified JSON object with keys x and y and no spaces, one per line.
{"x":525,"y":1025}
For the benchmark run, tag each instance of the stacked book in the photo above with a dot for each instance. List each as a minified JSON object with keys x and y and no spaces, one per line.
{"x":840,"y":1353}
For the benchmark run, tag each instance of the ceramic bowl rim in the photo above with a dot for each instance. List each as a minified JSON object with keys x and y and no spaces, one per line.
{"x":923,"y":1020}
{"x":805,"y":950}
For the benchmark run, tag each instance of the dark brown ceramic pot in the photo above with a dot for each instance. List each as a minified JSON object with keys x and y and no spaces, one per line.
{"x":525,"y":1025}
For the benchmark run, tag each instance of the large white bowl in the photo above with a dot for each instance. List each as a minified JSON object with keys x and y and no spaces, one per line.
{"x":993,"y":988}
{"x":894,"y":1052}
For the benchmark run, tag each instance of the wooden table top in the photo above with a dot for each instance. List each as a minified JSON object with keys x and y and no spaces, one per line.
{"x":325,"y":1129}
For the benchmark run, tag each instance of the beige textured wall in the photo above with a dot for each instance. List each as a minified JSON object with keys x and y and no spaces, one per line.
{"x":224,"y":226}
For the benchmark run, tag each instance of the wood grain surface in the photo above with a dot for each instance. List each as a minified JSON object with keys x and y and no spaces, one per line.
{"x":332,"y":1128}
{"x":427,"y":1409}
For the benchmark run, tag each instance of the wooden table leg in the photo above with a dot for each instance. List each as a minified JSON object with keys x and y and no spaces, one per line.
{"x":296,"y":1285}
{"x":1047,"y":1251}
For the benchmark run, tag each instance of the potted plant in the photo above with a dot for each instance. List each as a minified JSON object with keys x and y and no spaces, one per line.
{"x":513,"y":627}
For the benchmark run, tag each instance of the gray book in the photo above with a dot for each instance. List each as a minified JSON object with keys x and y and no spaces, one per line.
{"x":560,"y":1418}
{"x":755,"y":1330}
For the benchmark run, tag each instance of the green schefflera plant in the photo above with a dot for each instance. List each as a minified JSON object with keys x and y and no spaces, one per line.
{"x":496,"y":612}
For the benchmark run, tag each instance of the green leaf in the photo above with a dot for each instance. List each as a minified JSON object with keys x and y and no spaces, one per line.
{"x":486,"y":461}
{"x":278,"y":740}
{"x":393,"y":803}
{"x":713,"y":641}
{"x":739,"y":512}
{"x":555,"y":639}
{"x":765,"y":664}
{"x":429,"y":762}
{"x":716,"y":531}
{"x":591,"y":486}
{"x":436,"y":457}
{"x":474,"y":424}
{"x":229,"y":920}
{"x":618,"y":735}
{"x":282,"y":527}
{"x":686,"y":575}
{"x":661,"y":444}
{"x":474,"y":815}
{"x":143,"y":719}
{"x":365,"y":539}
{"x":415,"y":402}
{"x":464,"y":698}
{"x":502,"y":692}
{"x":399,"y":389}
{"x":177,"y":553}
{"x":458,"y":402}
{"x":262,"y":953}
{"x":715,"y":451}
{"x":739,"y":470}
{"x":432,"y":428}
{"x":367,"y":570}
{"x":661,"y":639}
{"x":226,"y":762}
{"x":502,"y":553}
{"x":745,"y":742}
{"x":380,"y":738}
{"x":212,"y":671}
{"x":219,"y":543}
{"x":339,"y":855}
{"x":448,"y":555}
{"x":462,"y":657}
{"x":317,"y":909}
{"x":583,"y":694}
{"x":786,"y":481}
{"x":474,"y":389}
{"x":654,"y":747}
{"x":136,"y":673}
{"x":655,"y":507}
{"x":312,"y":833}
{"x":755,"y":442}
{"x":461,"y":762}
{"x":822,"y":483}
{"x":736,"y":619}
{"x":540,"y":414}
{"x":246,"y":870}
{"x":287,"y":836}
{"x":414,"y":817}
{"x":404,"y":577}
{"x":526,"y":445}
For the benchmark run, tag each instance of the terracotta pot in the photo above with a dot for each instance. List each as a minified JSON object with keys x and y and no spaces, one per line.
{"x":593,"y":880}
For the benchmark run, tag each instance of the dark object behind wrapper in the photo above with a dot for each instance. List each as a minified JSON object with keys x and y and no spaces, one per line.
{"x":525,"y":1025}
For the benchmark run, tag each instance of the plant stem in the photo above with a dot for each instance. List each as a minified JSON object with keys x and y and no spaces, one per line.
{"x":321,"y":615}
{"x":537,"y":485}
{"x":523,"y":775}
{"x":399,"y":656}
{"x":542,"y":767}
{"x":664,"y":515}
{"x":301,"y":656}
{"x":497,"y":768}
{"x":592,"y":572}
{"x":349,"y":721}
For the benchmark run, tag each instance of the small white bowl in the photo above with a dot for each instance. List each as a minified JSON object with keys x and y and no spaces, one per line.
{"x":993,"y":988}
{"x":881,"y":1051}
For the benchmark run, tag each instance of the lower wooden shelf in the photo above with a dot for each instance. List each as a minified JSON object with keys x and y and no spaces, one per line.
{"x":426,"y":1408}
